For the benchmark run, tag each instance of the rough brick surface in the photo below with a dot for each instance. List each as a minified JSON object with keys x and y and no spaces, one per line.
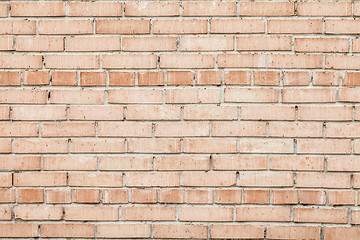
{"x":176,"y":119}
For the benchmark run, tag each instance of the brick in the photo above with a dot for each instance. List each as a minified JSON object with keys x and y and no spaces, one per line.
{"x":123,"y":231}
{"x":151,"y":213}
{"x":230,"y":60}
{"x":10,"y":230}
{"x":355,"y":45}
{"x":295,"y":61}
{"x":259,"y":112}
{"x":296,"y":78}
{"x":4,"y":113}
{"x":209,"y":179}
{"x":284,"y":196}
{"x":209,"y":8}
{"x":61,"y":78}
{"x":40,"y":44}
{"x":355,"y":217}
{"x":343,"y":164}
{"x":228,"y":196}
{"x":3,"y":10}
{"x":96,"y":213}
{"x":121,"y":79}
{"x":5,"y":213}
{"x":112,"y":26}
{"x":263,"y":214}
{"x":171,"y":195}
{"x":291,"y":129}
{"x":73,"y":96}
{"x":323,"y":180}
{"x":198,"y":43}
{"x":92,"y":78}
{"x":179,"y":231}
{"x":153,"y":113}
{"x":67,"y":129}
{"x":192,"y":95}
{"x":68,"y":27}
{"x":342,"y":62}
{"x":6,"y":42}
{"x":89,"y":179}
{"x":6,"y":180}
{"x":236,"y":231}
{"x":239,"y":162}
{"x":10,"y":78}
{"x":40,"y":145}
{"x":166,"y":163}
{"x":179,"y":77}
{"x":182,"y":26}
{"x":148,"y":44}
{"x":325,"y":113}
{"x":58,"y":196}
{"x":266,"y":78}
{"x":97,"y":145}
{"x":153,"y":145}
{"x":266,"y":179}
{"x":143,"y":195}
{"x":349,"y":95}
{"x":38,"y":212}
{"x":256,"y":196}
{"x":297,"y":26}
{"x":168,"y":179}
{"x":203,"y":145}
{"x":126,"y":163}
{"x":30,"y":195}
{"x":314,"y":95}
{"x":105,"y":113}
{"x":5,"y":145}
{"x":129,"y":61}
{"x":39,"y":179}
{"x":44,"y":113}
{"x":180,"y":129}
{"x":69,"y":163}
{"x":238,"y":129}
{"x":114,"y":196}
{"x":198,"y":196}
{"x":321,"y":45}
{"x":135,"y":96}
{"x":20,"y":61}
{"x":210,"y":112}
{"x":317,"y":197}
{"x":38,"y":9}
{"x":97,"y":9}
{"x":208,"y":78}
{"x":267,"y":9}
{"x":237,"y":77}
{"x":342,"y":130}
{"x":324,"y":9}
{"x":293,"y":232}
{"x":205,"y":214}
{"x":263,"y":43}
{"x":351,"y":79}
{"x":254,"y":145}
{"x":331,"y":233}
{"x":237,"y":26}
{"x":356,"y":9}
{"x":297,"y":163}
{"x":124,"y":129}
{"x":17,"y":27}
{"x":18,"y":129}
{"x":144,"y":9}
{"x":342,"y":26}
{"x":356,"y":180}
{"x":21,"y":96}
{"x":186,"y":61}
{"x":324,"y":146}
{"x":325,"y":78}
{"x":67,"y":230}
{"x":36,"y":78}
{"x":92,"y":44}
{"x":341,"y":198}
{"x":255,"y":95}
{"x":151,"y":78}
{"x":318,"y":215}
{"x":7,"y":195}
{"x":86,"y":195}
{"x":72,"y":61}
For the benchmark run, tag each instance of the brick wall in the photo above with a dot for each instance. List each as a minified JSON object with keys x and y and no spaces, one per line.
{"x":179,"y":119}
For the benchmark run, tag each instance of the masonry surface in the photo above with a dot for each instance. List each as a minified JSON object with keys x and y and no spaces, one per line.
{"x":179,"y":119}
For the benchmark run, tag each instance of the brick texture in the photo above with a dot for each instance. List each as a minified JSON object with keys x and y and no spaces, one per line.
{"x":177,"y":119}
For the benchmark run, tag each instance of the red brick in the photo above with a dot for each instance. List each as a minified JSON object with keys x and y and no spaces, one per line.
{"x":317,"y":197}
{"x":237,"y":77}
{"x":332,"y":233}
{"x":349,"y":95}
{"x":6,"y":42}
{"x":40,"y":145}
{"x":30,"y":195}
{"x":343,"y":163}
{"x":324,"y":146}
{"x":7,"y":196}
{"x":94,"y":9}
{"x":39,"y":179}
{"x":325,"y":113}
{"x":182,"y":26}
{"x":166,"y":163}
{"x":179,"y":231}
{"x":267,"y":9}
{"x":321,"y":45}
{"x":58,"y":196}
{"x":104,"y":113}
{"x":342,"y":61}
{"x":266,"y":179}
{"x":3,"y":10}
{"x":151,"y":213}
{"x":319,"y":215}
{"x":205,"y":214}
{"x":40,"y":212}
{"x":151,"y":78}
{"x":67,"y":129}
{"x":143,"y":195}
{"x":5,"y":213}
{"x":20,"y":61}
{"x":314,"y":95}
{"x":192,"y":95}
{"x":135,"y":96}
{"x":186,"y":61}
{"x":142,"y":145}
{"x":228,"y":196}
{"x":342,"y":26}
{"x":92,"y":44}
{"x":198,"y":196}
{"x":6,"y":180}
{"x":4,"y":113}
{"x":341,"y":198}
{"x":124,"y":129}
{"x":114,"y":196}
{"x":210,"y":112}
{"x":266,"y":78}
{"x":93,"y":213}
{"x":10,"y":78}
{"x":215,"y":145}
{"x":322,"y":180}
{"x":209,"y":179}
{"x":263,"y":43}
{"x":351,"y":79}
{"x":326,"y":78}
{"x":239,"y":162}
{"x":19,"y":129}
{"x":63,"y":78}
{"x":168,"y":179}
{"x":296,"y":78}
{"x":250,"y":129}
{"x":284,"y":196}
{"x":123,"y":230}
{"x":65,"y":27}
{"x":259,"y":112}
{"x":292,"y":129}
{"x":94,"y":179}
{"x":38,"y":9}
{"x":181,"y":129}
{"x":297,"y":26}
{"x":86,"y":195}
{"x":111,"y":26}
{"x":237,"y":26}
{"x":17,"y":26}
{"x":74,"y":96}
{"x":40,"y":44}
{"x":149,"y":44}
{"x":25,"y":230}
{"x":236,"y":231}
{"x":179,"y":78}
{"x":256,"y":196}
{"x":126,"y":163}
{"x":206,"y":43}
{"x":258,"y":145}
{"x":297,"y":163}
{"x":255,"y":95}
{"x":144,"y":9}
{"x":208,"y":78}
{"x":163,"y":112}
{"x":121,"y":78}
{"x":293,"y":232}
{"x":209,"y":8}
{"x":67,"y":230}
{"x":324,"y":9}
{"x":244,"y":60}
{"x":263,"y":214}
{"x":21,"y":96}
{"x":295,"y":61}
{"x":171,"y":195}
